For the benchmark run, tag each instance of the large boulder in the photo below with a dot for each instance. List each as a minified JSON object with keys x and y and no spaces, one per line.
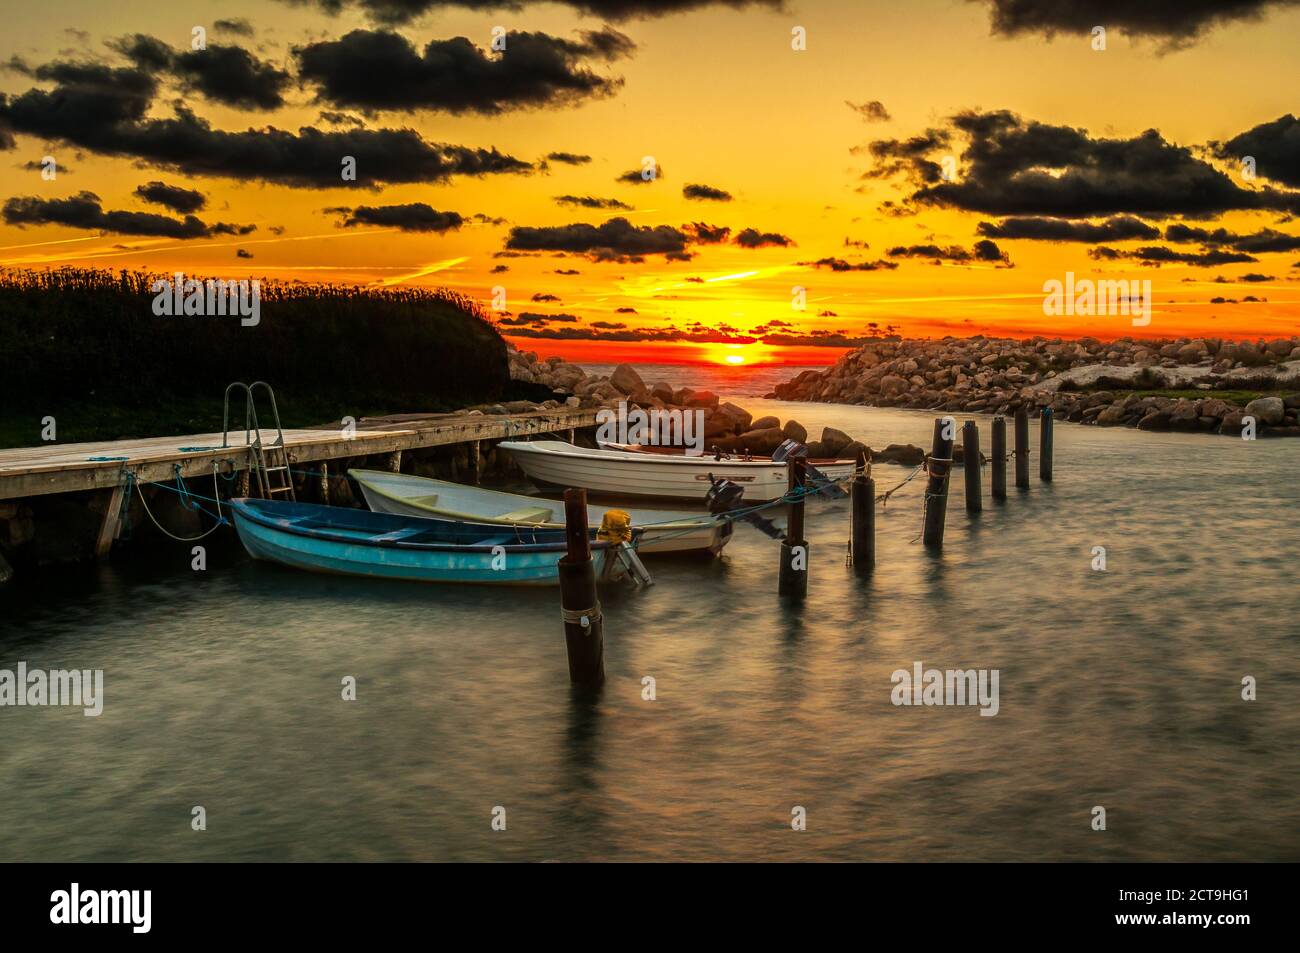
{"x":761,"y":442}
{"x":1267,"y":410}
{"x":834,"y":440}
{"x":702,"y":398}
{"x":663,"y":392}
{"x":795,"y":431}
{"x":903,"y":453}
{"x":628,"y":381}
{"x":565,"y":377}
{"x":743,"y":419}
{"x":766,"y":423}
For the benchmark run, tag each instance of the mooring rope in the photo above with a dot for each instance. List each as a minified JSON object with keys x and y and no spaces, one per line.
{"x":187,"y":496}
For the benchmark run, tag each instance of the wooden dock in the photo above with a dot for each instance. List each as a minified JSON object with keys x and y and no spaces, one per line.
{"x":68,"y":468}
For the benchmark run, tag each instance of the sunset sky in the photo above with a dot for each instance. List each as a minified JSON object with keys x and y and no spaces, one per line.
{"x":821,"y":168}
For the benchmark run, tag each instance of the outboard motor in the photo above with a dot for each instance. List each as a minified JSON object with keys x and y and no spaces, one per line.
{"x":794,"y":450}
{"x":725,"y":497}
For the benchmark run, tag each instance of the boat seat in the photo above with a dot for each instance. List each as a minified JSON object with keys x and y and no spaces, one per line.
{"x":533,"y":514}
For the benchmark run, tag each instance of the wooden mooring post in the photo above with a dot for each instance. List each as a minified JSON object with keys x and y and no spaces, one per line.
{"x":584,"y":628}
{"x":1045,"y":446}
{"x":1022,"y":449}
{"x":938,"y":466}
{"x":862,"y":527}
{"x":475,"y":461}
{"x":792,"y":579}
{"x":970,"y":444}
{"x":998,"y":490}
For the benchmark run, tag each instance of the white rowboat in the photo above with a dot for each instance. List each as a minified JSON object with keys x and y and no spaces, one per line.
{"x":666,"y":476}
{"x":663,"y":531}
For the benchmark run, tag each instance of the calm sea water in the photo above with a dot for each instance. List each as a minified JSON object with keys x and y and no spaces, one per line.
{"x":1118,"y":689}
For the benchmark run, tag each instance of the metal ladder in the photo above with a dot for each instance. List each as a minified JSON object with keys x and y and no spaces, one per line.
{"x":269,"y":461}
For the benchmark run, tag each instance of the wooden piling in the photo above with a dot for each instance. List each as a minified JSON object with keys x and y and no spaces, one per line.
{"x":938,"y":466}
{"x":970,"y":442}
{"x":1022,"y":449}
{"x":395,"y":461}
{"x":1045,"y":446}
{"x":584,"y":628}
{"x":111,"y":522}
{"x":999,"y":454}
{"x":862,"y":540}
{"x":792,"y":579}
{"x":475,"y":461}
{"x":325,"y":482}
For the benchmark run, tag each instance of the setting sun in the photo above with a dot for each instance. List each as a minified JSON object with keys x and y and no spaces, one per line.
{"x":735,"y":359}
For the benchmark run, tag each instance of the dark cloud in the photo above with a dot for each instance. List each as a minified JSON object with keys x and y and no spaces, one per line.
{"x":172,"y":196}
{"x":637,"y":176}
{"x":224,"y":74}
{"x":568,"y":158}
{"x":705,"y":193}
{"x":753,"y":238}
{"x":1264,"y":240}
{"x":499,"y":269}
{"x":84,"y":210}
{"x":414,"y":217}
{"x":404,"y":11}
{"x":839,"y":264}
{"x":906,"y":156}
{"x":614,"y":240}
{"x":376,"y":69}
{"x":1025,"y":168}
{"x":105,"y":110}
{"x":1117,"y":229}
{"x":567,"y":271}
{"x":703,"y":234}
{"x":625,"y":310}
{"x":541,"y":297}
{"x":1275,"y":147}
{"x":1175,"y":21}
{"x":1159,"y":255}
{"x":588,"y":201}
{"x":335,"y":118}
{"x":873,"y":111}
{"x":982,"y":250}
{"x":608,"y":325}
{"x":237,"y":25}
{"x":243,"y":253}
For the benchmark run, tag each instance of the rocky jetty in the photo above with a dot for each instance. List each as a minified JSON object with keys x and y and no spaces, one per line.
{"x":1214,"y":384}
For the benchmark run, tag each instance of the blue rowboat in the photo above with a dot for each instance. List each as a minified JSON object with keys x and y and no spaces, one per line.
{"x":338,"y":539}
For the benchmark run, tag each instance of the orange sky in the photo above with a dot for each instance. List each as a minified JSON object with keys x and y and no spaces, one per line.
{"x":718,"y":97}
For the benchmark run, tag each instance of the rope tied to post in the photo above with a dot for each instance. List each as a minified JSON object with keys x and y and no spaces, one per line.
{"x":582,"y":617}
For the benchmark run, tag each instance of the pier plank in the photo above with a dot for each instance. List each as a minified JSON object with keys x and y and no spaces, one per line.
{"x":67,"y":468}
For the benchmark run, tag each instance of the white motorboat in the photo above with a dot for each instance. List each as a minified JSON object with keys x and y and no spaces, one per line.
{"x":662,"y":531}
{"x":665,"y":475}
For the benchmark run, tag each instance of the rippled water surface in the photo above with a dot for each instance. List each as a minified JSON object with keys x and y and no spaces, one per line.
{"x":1120,"y":689}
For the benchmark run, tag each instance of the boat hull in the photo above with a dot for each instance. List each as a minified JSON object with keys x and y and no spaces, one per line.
{"x":648,"y":475}
{"x":661,"y":532}
{"x":497,"y":564}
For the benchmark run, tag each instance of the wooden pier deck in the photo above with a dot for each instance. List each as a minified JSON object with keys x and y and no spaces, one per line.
{"x":67,"y":468}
